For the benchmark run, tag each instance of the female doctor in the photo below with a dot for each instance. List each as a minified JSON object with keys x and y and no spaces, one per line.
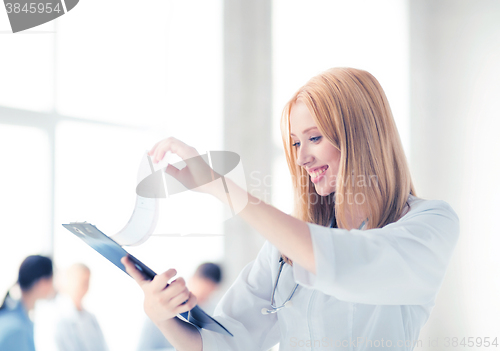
{"x":358,"y":264}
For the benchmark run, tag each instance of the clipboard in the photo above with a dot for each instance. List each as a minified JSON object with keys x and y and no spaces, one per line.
{"x":111,"y":250}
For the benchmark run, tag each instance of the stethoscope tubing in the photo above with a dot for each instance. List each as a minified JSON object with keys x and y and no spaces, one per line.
{"x":287,"y":303}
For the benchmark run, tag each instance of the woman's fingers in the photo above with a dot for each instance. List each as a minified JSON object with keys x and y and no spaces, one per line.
{"x":162,"y":301}
{"x":173,"y":145}
{"x":176,"y":287}
{"x":180,"y":298}
{"x":188,"y":306}
{"x":151,"y":152}
{"x":161,"y":150}
{"x":197,"y":174}
{"x":154,"y":150}
{"x":175,"y":294}
{"x":132,"y":271}
{"x":160,"y":281}
{"x":173,"y":171}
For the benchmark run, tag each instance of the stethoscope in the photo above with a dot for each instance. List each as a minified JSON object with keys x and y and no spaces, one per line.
{"x":287,"y":302}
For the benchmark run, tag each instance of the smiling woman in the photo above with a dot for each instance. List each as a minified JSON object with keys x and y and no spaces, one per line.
{"x":336,"y":129}
{"x":366,"y":260}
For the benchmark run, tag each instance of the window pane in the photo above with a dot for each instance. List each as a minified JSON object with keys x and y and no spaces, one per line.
{"x":25,"y":205}
{"x":27,"y":66}
{"x":153,"y":62}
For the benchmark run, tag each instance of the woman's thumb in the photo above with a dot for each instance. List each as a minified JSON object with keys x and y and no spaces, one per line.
{"x":172,"y":170}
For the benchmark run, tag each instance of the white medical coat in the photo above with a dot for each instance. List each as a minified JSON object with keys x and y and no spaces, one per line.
{"x":373,"y":289}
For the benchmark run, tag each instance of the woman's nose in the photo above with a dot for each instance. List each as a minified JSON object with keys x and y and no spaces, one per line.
{"x":303,"y":156}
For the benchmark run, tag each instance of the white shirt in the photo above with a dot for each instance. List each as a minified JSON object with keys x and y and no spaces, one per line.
{"x":372,"y":287}
{"x":64,"y":328}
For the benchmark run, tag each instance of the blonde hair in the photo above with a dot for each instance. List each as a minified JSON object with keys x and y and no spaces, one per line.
{"x":352,"y":112}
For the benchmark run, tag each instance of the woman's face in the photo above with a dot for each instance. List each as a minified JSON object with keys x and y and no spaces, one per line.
{"x":314,"y":152}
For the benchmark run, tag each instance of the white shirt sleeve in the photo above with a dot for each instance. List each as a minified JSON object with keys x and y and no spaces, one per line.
{"x":402,"y":263}
{"x":239,"y":310}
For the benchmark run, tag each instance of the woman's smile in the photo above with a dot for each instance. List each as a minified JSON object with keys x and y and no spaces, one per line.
{"x":317,"y":173}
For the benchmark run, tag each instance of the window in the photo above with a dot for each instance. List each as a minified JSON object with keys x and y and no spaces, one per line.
{"x":80,"y":100}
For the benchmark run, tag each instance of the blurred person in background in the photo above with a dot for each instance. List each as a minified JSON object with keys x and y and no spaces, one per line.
{"x":35,"y":281}
{"x":203,"y":284}
{"x":75,"y":327}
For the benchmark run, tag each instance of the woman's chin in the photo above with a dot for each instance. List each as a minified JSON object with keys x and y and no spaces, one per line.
{"x":322,"y":191}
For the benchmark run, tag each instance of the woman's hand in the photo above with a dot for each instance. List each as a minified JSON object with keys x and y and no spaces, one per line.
{"x":196,"y":175}
{"x":162,"y":301}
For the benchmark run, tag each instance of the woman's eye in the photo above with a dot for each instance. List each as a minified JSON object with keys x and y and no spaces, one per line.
{"x":313,"y":139}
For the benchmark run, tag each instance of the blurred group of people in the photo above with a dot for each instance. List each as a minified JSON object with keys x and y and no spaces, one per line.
{"x":73,"y":327}
{"x":65,"y":324}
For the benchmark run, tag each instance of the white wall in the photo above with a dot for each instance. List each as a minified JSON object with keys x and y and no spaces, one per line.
{"x":455,"y":85}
